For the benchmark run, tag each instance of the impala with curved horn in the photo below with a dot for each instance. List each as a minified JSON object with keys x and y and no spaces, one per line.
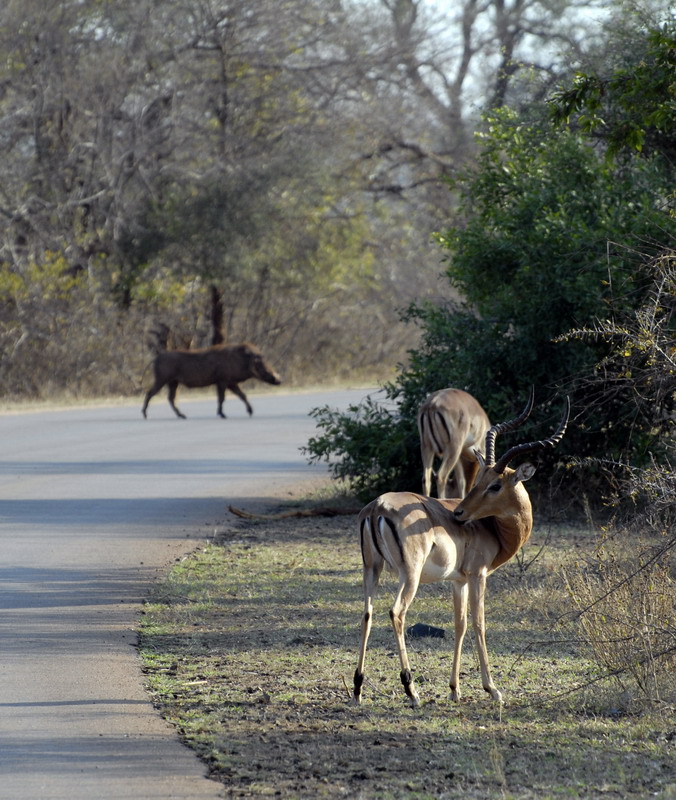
{"x":424,"y":540}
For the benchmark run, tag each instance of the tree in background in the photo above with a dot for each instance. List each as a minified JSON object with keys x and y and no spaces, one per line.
{"x":630,"y":106}
{"x":293,"y":150}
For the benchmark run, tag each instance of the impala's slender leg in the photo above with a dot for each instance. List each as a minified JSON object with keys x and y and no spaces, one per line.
{"x":477,"y":592}
{"x":407,"y":590}
{"x":428,"y":460}
{"x":451,"y":463}
{"x":372,"y":571}
{"x":470,"y":468}
{"x":460,"y":614}
{"x":371,"y":576}
{"x":426,"y":454}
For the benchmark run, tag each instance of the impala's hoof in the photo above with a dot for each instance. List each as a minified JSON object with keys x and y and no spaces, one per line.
{"x":409,"y":688}
{"x":494,"y":693}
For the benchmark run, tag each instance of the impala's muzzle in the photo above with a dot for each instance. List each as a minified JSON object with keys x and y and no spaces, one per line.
{"x":458,"y":515}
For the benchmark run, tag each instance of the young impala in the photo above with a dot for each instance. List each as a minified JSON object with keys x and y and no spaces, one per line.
{"x":424,"y":540}
{"x":452,"y":425}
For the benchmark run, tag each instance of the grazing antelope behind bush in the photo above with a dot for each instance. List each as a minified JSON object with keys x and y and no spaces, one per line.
{"x":224,"y":365}
{"x":424,"y":540}
{"x":452,"y":425}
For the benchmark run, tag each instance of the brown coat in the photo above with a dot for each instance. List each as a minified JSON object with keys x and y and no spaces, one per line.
{"x":223,"y":365}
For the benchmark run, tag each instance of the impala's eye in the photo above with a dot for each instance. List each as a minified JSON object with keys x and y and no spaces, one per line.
{"x":495,"y":487}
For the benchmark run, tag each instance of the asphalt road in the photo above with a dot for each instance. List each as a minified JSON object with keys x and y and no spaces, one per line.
{"x":95,"y":504}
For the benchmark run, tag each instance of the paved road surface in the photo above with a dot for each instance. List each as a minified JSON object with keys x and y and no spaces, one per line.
{"x":94,"y":505}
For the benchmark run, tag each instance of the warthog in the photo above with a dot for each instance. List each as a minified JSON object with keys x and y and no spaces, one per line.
{"x":224,"y":365}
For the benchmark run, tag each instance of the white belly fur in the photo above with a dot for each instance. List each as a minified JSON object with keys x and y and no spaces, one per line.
{"x":442,"y":562}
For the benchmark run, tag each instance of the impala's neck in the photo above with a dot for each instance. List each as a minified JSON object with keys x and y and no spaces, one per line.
{"x":513,"y":530}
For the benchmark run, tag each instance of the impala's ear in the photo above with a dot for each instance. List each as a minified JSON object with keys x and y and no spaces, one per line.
{"x":480,"y":458}
{"x":523,"y":472}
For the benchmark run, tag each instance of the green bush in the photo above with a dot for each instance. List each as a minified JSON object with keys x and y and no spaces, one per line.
{"x":553,"y":236}
{"x":370,"y":445}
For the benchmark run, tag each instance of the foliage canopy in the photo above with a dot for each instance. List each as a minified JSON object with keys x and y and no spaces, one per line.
{"x":554,"y":236}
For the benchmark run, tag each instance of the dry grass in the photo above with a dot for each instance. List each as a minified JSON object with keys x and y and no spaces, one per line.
{"x":249,"y":644}
{"x":627,"y":611}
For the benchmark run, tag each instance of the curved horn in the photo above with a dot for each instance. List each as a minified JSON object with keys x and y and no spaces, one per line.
{"x":502,"y":427}
{"x":520,"y":449}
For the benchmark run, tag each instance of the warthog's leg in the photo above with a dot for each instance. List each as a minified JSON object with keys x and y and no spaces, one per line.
{"x":173,"y":386}
{"x":220,"y":390}
{"x":234,"y":388}
{"x":154,"y":389}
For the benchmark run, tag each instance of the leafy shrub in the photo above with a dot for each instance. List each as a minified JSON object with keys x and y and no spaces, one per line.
{"x":369,"y":445}
{"x":533,"y":260}
{"x":640,"y":363}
